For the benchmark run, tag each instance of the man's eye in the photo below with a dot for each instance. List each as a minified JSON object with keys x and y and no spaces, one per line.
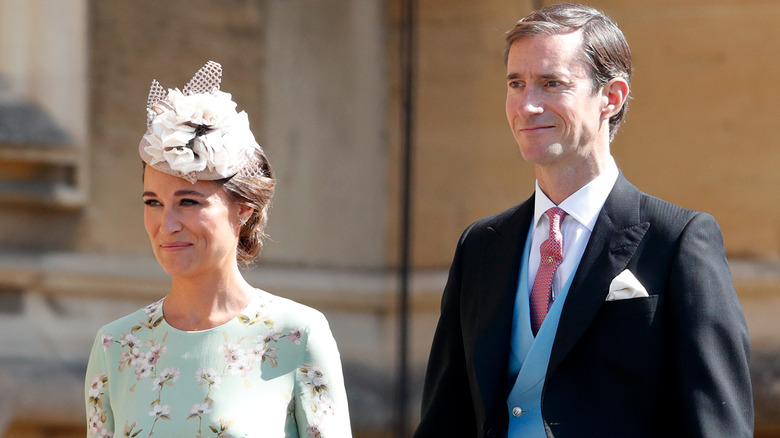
{"x":515,"y":84}
{"x":554,"y":84}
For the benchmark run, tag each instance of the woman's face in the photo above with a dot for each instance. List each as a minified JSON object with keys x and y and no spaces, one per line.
{"x":193,"y":228}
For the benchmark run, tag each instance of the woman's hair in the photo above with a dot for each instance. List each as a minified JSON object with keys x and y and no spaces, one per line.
{"x":252,"y":186}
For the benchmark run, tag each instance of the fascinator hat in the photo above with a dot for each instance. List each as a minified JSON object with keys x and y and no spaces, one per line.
{"x":196,"y":133}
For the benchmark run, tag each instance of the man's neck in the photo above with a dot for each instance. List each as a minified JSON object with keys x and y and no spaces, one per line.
{"x":561,"y":181}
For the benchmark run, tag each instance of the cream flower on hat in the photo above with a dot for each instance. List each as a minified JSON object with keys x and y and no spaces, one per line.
{"x":197,"y":134}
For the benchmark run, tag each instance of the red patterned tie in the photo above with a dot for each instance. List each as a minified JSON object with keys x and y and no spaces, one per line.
{"x":551,"y":256}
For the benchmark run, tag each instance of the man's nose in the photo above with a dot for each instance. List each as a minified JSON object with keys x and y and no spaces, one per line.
{"x":530,"y":102}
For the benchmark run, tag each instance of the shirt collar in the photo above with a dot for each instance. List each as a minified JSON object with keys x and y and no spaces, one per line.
{"x":585,"y":204}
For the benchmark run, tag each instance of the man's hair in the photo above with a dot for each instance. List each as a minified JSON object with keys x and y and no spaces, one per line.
{"x":604,"y":48}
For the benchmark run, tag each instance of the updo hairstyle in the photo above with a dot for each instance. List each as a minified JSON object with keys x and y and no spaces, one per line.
{"x":252,"y":186}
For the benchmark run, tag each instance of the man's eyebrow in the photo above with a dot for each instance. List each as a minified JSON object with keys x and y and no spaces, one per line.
{"x":546,"y":75}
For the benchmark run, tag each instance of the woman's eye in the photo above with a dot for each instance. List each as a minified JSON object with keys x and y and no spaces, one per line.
{"x":151,"y":202}
{"x":188,"y":202}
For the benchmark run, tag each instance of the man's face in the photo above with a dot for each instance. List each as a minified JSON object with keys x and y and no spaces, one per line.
{"x":554,"y":114}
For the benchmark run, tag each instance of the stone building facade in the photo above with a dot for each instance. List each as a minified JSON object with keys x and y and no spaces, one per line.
{"x":320,"y":80}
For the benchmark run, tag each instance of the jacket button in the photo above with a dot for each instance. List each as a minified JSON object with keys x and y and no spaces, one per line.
{"x":517,"y":411}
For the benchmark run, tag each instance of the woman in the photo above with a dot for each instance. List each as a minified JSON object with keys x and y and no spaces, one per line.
{"x":215,"y":357}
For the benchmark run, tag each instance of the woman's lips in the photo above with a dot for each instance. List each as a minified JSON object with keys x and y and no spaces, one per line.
{"x":175,"y":246}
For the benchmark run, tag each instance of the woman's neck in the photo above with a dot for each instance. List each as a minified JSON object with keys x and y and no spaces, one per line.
{"x":206,"y":301}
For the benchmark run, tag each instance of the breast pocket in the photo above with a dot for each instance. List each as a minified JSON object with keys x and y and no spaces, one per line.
{"x":630,"y":311}
{"x":626,"y":339}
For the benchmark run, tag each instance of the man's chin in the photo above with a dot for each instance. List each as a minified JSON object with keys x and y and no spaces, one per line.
{"x":541,"y":155}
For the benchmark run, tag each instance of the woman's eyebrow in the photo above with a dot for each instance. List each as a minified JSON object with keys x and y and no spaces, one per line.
{"x":178,"y":193}
{"x":189,"y":193}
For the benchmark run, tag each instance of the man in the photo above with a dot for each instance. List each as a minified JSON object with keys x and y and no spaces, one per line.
{"x":591,"y":309}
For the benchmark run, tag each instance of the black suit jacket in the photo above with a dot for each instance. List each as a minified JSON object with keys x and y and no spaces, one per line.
{"x":672,"y":364}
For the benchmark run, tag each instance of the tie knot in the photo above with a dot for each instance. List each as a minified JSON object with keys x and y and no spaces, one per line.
{"x":556,"y":216}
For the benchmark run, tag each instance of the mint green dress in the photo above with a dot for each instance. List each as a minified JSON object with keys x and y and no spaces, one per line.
{"x":273,"y":371}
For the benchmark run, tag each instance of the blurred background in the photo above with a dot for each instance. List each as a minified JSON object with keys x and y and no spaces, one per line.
{"x":323,"y":82}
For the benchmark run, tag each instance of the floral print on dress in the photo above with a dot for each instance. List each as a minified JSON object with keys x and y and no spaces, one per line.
{"x":129,"y":430}
{"x":96,"y":414}
{"x":140,"y":354}
{"x":313,"y":377}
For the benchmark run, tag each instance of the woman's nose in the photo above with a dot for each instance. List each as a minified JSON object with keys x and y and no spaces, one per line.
{"x":171,"y":222}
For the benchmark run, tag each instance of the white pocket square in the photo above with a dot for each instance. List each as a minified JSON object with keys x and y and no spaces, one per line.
{"x":626,"y":286}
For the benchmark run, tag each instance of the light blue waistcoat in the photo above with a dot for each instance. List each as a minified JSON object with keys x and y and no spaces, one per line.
{"x":529,"y":356}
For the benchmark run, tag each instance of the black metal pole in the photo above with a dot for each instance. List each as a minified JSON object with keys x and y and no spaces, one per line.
{"x":407,"y":121}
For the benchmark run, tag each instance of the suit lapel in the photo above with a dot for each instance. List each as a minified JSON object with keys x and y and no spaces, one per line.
{"x":493,"y":307}
{"x":612,"y":243}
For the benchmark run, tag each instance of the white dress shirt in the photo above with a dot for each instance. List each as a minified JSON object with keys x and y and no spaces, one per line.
{"x":582,"y":210}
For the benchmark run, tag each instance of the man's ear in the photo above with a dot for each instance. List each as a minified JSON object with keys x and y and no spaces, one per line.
{"x":615,"y":93}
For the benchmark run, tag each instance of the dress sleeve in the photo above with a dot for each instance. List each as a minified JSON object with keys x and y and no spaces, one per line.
{"x":100,"y":419}
{"x":321,"y":409}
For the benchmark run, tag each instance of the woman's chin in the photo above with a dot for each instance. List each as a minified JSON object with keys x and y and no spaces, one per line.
{"x":176,"y":268}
